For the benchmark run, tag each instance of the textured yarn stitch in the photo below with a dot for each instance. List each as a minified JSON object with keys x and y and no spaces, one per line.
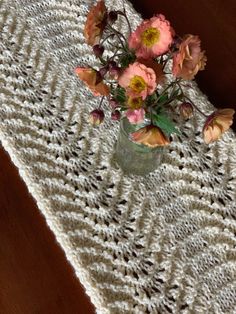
{"x":164,"y":243}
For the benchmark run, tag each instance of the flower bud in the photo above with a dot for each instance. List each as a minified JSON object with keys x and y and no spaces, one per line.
{"x":186,"y":110}
{"x":112,"y":64}
{"x":113,"y":103}
{"x":103,"y":71}
{"x":96,"y":117}
{"x":115,"y":115}
{"x":98,"y":50}
{"x":114,"y":72}
{"x":112,"y":16}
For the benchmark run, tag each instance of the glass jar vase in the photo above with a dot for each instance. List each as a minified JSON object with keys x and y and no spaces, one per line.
{"x":134,"y":158}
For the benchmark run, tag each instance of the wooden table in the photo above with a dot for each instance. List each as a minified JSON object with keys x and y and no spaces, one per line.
{"x":35,"y":277}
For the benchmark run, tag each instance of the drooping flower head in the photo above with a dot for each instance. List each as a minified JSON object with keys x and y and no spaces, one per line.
{"x":95,"y":23}
{"x":151,"y":136}
{"x":135,"y":116}
{"x":90,"y":78}
{"x":152,"y":37}
{"x":186,"y":110}
{"x":189,"y":59}
{"x":216,"y":124}
{"x":138,"y":80}
{"x":96,"y":117}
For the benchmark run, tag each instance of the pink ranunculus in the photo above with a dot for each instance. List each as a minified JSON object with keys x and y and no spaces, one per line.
{"x":152,"y":37}
{"x":138,"y":80}
{"x":135,"y":116}
{"x":189,"y":59}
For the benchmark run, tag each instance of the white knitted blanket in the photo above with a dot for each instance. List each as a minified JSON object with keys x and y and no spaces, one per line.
{"x":164,"y":243}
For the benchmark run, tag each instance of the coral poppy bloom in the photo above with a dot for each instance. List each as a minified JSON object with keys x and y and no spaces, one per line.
{"x":152,"y":37}
{"x":138,"y":80}
{"x":157,"y":68}
{"x":151,"y":136}
{"x":135,"y":103}
{"x":90,"y":78}
{"x":216,"y":124}
{"x":95,"y":23}
{"x":189,"y":59}
{"x":135,"y":116}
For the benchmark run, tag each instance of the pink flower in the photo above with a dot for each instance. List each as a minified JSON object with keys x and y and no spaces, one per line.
{"x":135,"y":116}
{"x":138,"y":80}
{"x":152,"y":38}
{"x":216,"y":124}
{"x":189,"y":59}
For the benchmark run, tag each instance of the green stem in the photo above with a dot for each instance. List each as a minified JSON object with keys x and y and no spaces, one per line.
{"x":195,"y":107}
{"x":119,"y":36}
{"x":100,"y":104}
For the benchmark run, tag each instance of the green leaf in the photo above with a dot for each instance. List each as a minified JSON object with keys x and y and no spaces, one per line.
{"x":163,"y":98}
{"x":164,"y":123}
{"x":120,"y":95}
{"x":127,"y":59}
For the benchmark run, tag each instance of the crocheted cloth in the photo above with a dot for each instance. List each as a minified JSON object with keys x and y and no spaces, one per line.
{"x":164,"y":243}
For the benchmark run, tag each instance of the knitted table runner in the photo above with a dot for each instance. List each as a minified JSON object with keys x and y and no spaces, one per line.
{"x":164,"y":243}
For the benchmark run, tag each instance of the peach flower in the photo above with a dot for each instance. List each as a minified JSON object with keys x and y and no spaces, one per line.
{"x":157,"y":68}
{"x":152,"y":37}
{"x":90,"y":78}
{"x":138,"y":80}
{"x":95,"y":23}
{"x":216,"y":124}
{"x":189,"y":59}
{"x":151,"y":136}
{"x":135,"y":116}
{"x":135,"y":103}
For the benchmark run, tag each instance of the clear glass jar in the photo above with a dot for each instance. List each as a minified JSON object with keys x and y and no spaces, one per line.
{"x":135,"y":158}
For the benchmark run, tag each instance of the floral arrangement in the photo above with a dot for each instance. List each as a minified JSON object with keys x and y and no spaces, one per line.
{"x":133,"y":78}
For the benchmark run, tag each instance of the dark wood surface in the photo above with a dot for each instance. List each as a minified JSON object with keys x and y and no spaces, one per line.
{"x":215,"y":23}
{"x":35,"y":277}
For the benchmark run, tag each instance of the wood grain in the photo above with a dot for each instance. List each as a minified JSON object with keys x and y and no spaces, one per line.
{"x":35,"y":277}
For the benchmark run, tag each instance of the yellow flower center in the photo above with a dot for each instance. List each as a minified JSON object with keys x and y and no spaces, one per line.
{"x":150,"y":37}
{"x":135,"y":103}
{"x":137,"y":84}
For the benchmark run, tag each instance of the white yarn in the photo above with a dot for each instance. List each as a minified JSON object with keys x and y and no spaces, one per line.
{"x":160,"y":244}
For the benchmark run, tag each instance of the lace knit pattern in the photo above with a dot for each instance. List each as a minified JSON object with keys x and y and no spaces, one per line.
{"x":164,"y":243}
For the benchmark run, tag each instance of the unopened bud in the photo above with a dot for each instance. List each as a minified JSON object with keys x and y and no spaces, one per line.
{"x":103,"y":71}
{"x":186,"y":110}
{"x":115,"y":115}
{"x":112,"y":16}
{"x":114,"y":72}
{"x":98,"y":50}
{"x":96,"y":117}
{"x":113,"y":103}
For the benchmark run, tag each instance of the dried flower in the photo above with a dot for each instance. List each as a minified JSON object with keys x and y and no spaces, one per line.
{"x":151,"y":136}
{"x":135,"y":116}
{"x":216,"y":124}
{"x":152,"y":38}
{"x":115,"y":115}
{"x":95,"y":23}
{"x":189,"y":59}
{"x":186,"y":110}
{"x":138,"y":80}
{"x":96,"y":117}
{"x":98,"y":50}
{"x":92,"y":79}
